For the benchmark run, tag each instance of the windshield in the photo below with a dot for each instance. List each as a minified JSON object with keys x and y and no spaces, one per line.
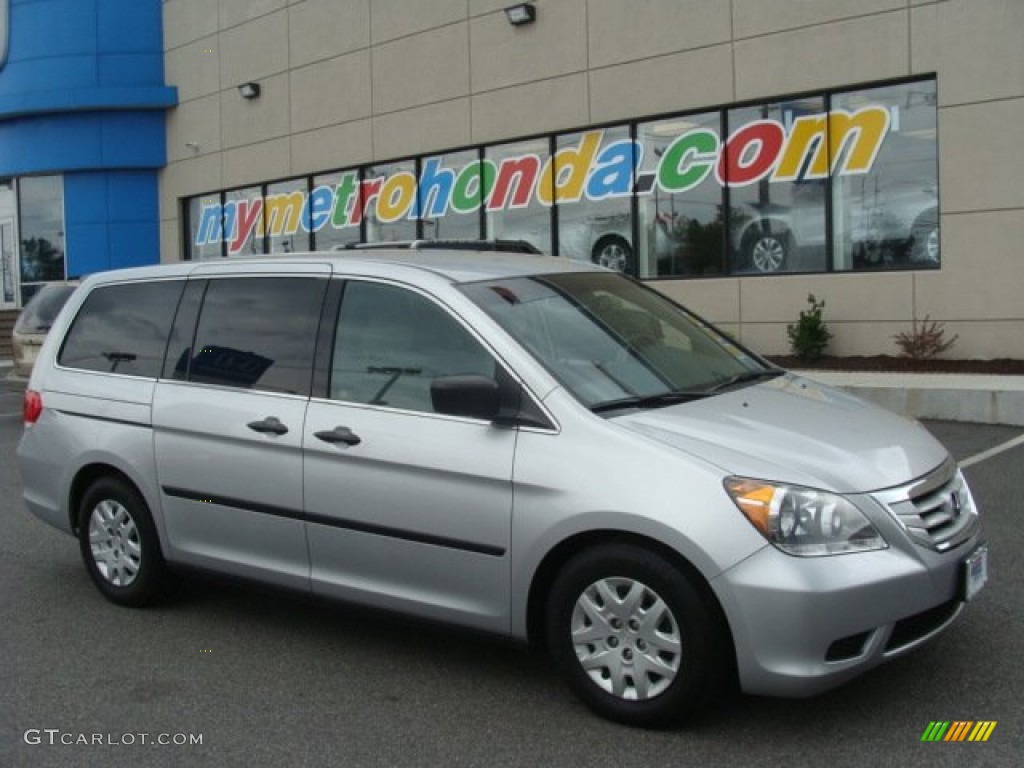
{"x":613,"y":342}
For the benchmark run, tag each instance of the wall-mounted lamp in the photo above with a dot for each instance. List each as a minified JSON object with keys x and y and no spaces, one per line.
{"x":523,"y":13}
{"x":249,"y":90}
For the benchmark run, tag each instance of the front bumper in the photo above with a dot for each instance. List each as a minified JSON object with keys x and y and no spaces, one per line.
{"x":804,"y":625}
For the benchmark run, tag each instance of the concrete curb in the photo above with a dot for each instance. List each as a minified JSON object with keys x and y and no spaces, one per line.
{"x":982,"y":399}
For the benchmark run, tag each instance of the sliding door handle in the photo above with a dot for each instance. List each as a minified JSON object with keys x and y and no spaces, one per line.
{"x":339,"y":435}
{"x":270,"y":425}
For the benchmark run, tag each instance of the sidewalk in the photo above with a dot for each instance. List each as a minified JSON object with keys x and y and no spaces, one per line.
{"x":980,"y":398}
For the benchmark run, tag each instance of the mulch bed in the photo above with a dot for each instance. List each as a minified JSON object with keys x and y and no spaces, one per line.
{"x":889,"y":363}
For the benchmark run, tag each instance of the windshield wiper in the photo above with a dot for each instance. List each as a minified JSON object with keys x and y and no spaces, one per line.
{"x":745,"y":378}
{"x":648,"y":401}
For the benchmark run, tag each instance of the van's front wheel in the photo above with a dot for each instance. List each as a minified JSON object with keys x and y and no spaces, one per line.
{"x":119,"y":543}
{"x":633,"y":637}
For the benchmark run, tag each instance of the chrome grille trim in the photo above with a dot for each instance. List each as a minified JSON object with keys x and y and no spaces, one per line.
{"x":937,"y":511}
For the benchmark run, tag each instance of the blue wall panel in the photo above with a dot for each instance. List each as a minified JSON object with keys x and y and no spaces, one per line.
{"x":133,"y":244}
{"x":132,"y":139}
{"x":79,"y":141}
{"x":52,"y":29}
{"x":86,"y":194}
{"x":82,"y":94}
{"x":130,"y":26}
{"x":110,"y":220}
{"x":83,"y":86}
{"x":130,"y":68}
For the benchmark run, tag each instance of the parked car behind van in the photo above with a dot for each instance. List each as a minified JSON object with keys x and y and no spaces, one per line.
{"x":530,"y":446}
{"x":34,"y":323}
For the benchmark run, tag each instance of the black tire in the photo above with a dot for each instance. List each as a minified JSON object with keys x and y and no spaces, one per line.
{"x":633,"y":662}
{"x":614,"y":252}
{"x":119,"y":543}
{"x":766,"y":248}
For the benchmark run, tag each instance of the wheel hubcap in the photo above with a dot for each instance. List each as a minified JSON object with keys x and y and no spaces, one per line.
{"x":626,"y":638}
{"x":768,"y":254}
{"x":114,"y":543}
{"x":613,"y":255}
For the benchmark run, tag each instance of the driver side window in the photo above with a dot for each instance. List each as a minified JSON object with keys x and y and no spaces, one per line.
{"x":392,"y":343}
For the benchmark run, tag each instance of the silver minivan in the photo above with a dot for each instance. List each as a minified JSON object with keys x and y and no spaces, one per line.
{"x":525,"y":445}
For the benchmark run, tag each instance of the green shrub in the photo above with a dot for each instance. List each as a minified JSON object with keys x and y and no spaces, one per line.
{"x":809,"y":336}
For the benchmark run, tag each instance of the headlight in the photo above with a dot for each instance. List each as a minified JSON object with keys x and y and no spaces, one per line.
{"x":803,"y":521}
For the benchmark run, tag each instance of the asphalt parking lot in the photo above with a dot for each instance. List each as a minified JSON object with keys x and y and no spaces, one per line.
{"x":273,"y":679}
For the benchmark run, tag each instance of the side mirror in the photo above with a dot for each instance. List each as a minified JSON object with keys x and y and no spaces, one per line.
{"x":472,"y":395}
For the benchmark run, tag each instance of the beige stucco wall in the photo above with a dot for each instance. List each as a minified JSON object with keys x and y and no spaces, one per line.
{"x":346,"y":82}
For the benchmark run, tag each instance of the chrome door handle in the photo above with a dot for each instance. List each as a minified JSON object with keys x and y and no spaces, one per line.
{"x":269,"y":425}
{"x":339,"y":435}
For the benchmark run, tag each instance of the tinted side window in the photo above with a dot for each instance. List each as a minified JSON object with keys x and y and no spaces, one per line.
{"x":123,"y":328}
{"x":392,"y":343}
{"x":179,"y":346}
{"x":258,"y":333}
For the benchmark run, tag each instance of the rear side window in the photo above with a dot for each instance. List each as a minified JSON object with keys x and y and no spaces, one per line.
{"x":123,"y":328}
{"x":258,"y":333}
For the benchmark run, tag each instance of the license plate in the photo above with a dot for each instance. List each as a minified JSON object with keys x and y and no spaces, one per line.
{"x":975,"y":572}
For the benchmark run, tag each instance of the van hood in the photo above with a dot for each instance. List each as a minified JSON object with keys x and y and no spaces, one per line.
{"x":795,"y":430}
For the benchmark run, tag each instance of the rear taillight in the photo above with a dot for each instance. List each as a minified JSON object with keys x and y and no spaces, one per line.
{"x":33,"y":406}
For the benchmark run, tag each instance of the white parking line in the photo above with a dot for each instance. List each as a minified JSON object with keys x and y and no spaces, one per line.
{"x":1001,"y":448}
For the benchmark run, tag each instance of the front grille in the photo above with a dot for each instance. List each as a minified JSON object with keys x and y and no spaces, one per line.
{"x":937,"y":512}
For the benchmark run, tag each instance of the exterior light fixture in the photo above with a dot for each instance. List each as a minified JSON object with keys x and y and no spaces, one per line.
{"x":523,"y":13}
{"x":249,"y":90}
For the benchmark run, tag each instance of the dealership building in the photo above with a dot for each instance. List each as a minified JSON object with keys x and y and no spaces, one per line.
{"x":82,"y":138}
{"x":738,"y":155}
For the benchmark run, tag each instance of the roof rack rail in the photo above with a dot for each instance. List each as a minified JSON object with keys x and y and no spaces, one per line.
{"x":503,"y":246}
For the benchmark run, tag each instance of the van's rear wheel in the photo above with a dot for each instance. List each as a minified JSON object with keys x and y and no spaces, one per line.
{"x":633,"y":637}
{"x":119,"y":543}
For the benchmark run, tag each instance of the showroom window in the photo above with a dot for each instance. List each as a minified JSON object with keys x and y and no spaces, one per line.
{"x":206,"y":227}
{"x":888,"y":217}
{"x":593,"y":181}
{"x":243,"y":221}
{"x":451,"y":190}
{"x":776,"y":202}
{"x":41,"y":231}
{"x":516,"y":207}
{"x":681,"y":216}
{"x":286,"y":216}
{"x":388,"y":196}
{"x":832,"y":182}
{"x":335,"y":199}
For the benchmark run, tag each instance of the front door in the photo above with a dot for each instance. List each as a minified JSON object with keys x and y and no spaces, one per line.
{"x":407,"y":508}
{"x":8,"y":265}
